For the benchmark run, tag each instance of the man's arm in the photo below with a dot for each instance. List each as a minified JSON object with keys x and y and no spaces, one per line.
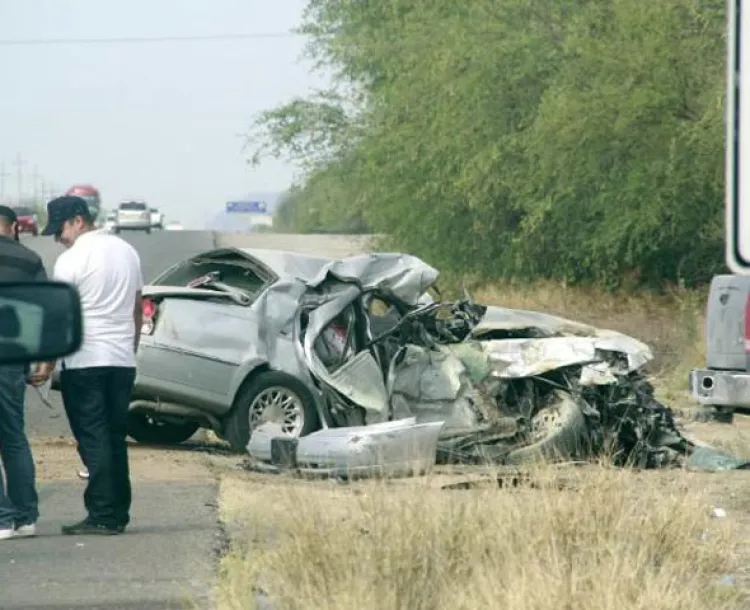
{"x":138,"y":305}
{"x":60,"y":273}
{"x":137,"y":319}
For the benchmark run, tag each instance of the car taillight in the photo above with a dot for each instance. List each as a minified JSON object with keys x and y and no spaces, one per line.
{"x":747,"y":324}
{"x":149,"y":316}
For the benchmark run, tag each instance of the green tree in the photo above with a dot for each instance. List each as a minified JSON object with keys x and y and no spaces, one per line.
{"x":571,"y":139}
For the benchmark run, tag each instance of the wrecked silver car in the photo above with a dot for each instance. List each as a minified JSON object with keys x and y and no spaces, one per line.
{"x":233,"y":339}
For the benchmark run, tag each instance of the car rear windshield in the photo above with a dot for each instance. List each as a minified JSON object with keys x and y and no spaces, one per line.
{"x":133,"y":206}
{"x":23,"y":211}
{"x":237,"y":273}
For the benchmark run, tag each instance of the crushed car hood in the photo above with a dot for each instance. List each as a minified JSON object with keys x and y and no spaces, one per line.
{"x":553,"y":342}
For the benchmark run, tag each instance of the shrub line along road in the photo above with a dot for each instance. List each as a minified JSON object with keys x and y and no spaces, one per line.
{"x":170,"y":551}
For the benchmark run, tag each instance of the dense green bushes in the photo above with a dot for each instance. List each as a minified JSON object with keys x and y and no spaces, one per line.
{"x":574,"y":139}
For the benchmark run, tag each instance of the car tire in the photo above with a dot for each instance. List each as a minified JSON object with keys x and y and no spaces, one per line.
{"x":142,"y":429}
{"x":237,"y":430}
{"x":563,"y":431}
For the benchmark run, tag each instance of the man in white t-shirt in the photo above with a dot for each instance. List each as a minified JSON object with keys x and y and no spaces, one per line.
{"x":97,"y":381}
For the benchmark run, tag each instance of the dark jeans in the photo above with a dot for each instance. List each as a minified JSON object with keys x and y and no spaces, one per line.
{"x":96,"y":401}
{"x":20,"y":505}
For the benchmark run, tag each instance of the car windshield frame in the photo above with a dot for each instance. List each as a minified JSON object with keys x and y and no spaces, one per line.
{"x":132,"y":206}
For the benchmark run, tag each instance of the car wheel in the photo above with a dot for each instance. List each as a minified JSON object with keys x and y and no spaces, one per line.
{"x":559,"y":432}
{"x":271,"y":397}
{"x":145,"y":429}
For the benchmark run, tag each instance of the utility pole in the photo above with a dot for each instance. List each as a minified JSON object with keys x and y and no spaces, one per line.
{"x":35,"y":184}
{"x":3,"y":175}
{"x":19,"y":163}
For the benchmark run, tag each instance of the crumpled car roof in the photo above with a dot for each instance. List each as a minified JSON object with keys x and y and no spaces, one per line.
{"x":285,"y":264}
{"x":404,"y":276}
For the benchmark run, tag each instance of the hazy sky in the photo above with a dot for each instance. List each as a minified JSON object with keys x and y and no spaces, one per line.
{"x":159,"y":121}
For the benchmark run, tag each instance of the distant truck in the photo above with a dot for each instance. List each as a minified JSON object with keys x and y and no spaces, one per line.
{"x":90,"y":195}
{"x":724,"y":383}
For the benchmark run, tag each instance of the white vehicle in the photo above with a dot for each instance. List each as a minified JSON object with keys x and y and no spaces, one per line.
{"x":110,"y":222}
{"x":173,"y":226}
{"x":157,"y":219}
{"x":133,"y":216}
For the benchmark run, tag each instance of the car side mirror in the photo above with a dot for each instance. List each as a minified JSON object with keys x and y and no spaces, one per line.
{"x":39,"y":321}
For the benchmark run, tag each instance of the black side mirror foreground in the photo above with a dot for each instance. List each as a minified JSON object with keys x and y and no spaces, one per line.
{"x":38,"y":321}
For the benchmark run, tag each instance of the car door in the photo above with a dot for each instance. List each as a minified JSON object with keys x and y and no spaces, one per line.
{"x":195,"y":336}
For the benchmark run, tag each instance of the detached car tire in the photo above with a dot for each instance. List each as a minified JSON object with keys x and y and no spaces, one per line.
{"x":144,"y":430}
{"x":271,"y":387}
{"x":563,"y":431}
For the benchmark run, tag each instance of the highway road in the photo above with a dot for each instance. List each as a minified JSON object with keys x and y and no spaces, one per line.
{"x":158,"y":250}
{"x":168,"y":555}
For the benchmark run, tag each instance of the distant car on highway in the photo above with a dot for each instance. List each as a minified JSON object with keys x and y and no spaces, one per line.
{"x":28,"y":221}
{"x":110,"y":221}
{"x":132,"y":216}
{"x":157,"y":219}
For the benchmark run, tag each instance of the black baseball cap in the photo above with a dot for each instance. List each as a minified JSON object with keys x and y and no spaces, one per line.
{"x":62,"y":209}
{"x":8,"y":213}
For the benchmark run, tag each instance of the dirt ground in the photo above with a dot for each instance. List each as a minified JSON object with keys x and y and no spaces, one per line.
{"x":729,"y":492}
{"x":57,"y":460}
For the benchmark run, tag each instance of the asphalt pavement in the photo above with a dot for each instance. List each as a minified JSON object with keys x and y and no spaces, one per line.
{"x":159,"y":250}
{"x":166,"y":558}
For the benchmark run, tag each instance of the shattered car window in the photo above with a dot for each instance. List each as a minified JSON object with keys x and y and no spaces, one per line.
{"x":383,"y":316}
{"x":189,"y":274}
{"x":337,"y":342}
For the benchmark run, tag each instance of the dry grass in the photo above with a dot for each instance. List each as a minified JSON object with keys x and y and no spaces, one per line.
{"x":672,"y":324}
{"x":610,"y":540}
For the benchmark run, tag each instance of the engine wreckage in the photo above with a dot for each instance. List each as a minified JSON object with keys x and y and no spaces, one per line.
{"x":406,"y":379}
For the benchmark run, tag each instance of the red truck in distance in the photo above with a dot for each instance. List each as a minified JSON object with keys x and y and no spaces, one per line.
{"x":90,"y":195}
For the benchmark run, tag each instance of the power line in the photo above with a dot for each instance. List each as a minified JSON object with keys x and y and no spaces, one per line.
{"x":143,"y":39}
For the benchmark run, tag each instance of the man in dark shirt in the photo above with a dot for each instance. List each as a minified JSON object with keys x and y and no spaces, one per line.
{"x":17,"y":262}
{"x":19,"y":506}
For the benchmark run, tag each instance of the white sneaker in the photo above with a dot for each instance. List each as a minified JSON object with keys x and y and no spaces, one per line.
{"x":26,"y":531}
{"x":7,"y":533}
